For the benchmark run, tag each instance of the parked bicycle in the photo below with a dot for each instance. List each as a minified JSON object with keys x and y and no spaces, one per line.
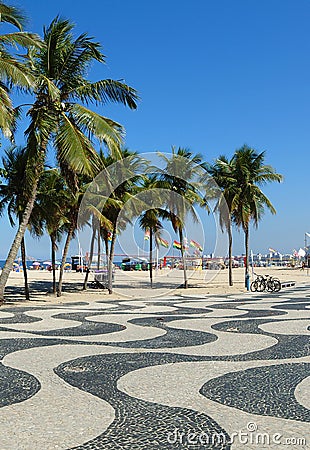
{"x":267,"y":282}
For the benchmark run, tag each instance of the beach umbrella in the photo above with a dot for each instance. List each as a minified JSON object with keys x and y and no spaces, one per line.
{"x":47,"y":263}
{"x":36,"y":263}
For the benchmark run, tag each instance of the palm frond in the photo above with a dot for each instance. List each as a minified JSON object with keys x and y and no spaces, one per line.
{"x":107,"y":91}
{"x":12,"y":15}
{"x":104,"y":129}
{"x":74,"y":147}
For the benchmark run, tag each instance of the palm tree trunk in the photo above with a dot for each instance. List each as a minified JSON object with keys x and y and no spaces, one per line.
{"x":111,"y":258}
{"x":151,"y":256}
{"x":106,"y":243}
{"x":183,"y":258}
{"x":64,"y":257}
{"x":91,"y":254}
{"x":246,"y":236}
{"x":17,"y":241}
{"x":53,"y":251}
{"x":99,"y":248}
{"x":229,"y":230}
{"x":23,"y":253}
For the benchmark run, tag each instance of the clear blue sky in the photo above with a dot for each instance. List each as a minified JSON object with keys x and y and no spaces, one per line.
{"x":212,"y":75}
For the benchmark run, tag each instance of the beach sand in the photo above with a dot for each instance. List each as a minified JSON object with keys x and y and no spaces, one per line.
{"x":129,"y":285}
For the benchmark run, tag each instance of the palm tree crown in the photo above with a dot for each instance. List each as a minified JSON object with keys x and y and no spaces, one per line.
{"x":249,"y":201}
{"x":12,"y":70}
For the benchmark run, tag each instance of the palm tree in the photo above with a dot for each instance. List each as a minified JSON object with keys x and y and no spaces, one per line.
{"x":115,"y":185}
{"x":12,"y":70}
{"x":51,"y":206}
{"x":14,"y":194}
{"x":222,"y":172}
{"x":182,"y":176}
{"x":125,"y":179}
{"x":149,"y":219}
{"x":249,"y":202}
{"x":149,"y":222}
{"x":59,"y":115}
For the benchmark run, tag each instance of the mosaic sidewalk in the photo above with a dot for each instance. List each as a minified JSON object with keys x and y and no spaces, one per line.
{"x":169,"y":373}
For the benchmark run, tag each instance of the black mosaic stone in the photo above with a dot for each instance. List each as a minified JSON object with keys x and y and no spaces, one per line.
{"x":13,"y":345}
{"x":172,"y":338}
{"x":16,"y":386}
{"x":288,"y":346}
{"x":19,"y":316}
{"x":87,"y":327}
{"x":268,"y":391}
{"x":296,"y":306}
{"x":138,"y":424}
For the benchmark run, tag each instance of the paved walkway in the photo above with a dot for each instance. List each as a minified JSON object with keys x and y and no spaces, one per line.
{"x":163,"y":373}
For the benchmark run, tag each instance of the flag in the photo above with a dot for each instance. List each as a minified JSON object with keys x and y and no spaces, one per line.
{"x":272,"y":250}
{"x":177,"y":245}
{"x":301,"y":253}
{"x":163,"y":242}
{"x":147,"y":235}
{"x":308,"y":234}
{"x":185,"y":243}
{"x":196,"y":245}
{"x":109,"y":236}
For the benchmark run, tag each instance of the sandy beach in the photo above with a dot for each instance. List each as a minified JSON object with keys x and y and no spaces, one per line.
{"x":136,"y":284}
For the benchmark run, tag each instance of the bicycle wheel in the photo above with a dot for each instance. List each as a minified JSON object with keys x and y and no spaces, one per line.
{"x":254,"y":286}
{"x":276,"y":285}
{"x":261,"y":286}
{"x":270,"y":286}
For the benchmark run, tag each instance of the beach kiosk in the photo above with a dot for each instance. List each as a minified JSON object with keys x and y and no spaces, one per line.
{"x":78,"y":263}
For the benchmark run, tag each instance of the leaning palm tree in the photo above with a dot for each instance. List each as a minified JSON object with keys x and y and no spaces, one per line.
{"x":249,"y":202}
{"x":181,"y":176}
{"x":60,"y":115}
{"x":12,"y":70}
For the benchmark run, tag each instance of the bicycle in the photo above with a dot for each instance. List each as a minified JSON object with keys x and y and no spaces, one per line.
{"x":261,"y":283}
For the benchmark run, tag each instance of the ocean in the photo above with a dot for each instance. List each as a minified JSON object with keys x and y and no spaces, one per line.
{"x":29,"y":263}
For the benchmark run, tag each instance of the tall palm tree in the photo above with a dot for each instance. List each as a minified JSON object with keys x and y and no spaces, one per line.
{"x":222,"y":172}
{"x":149,"y":221}
{"x":12,"y":70}
{"x":125,"y":179}
{"x":60,"y":115}
{"x":249,"y":202}
{"x":51,"y":206}
{"x":181,"y":176}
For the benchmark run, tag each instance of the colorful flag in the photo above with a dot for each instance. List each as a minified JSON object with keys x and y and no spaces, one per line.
{"x":195,"y":244}
{"x":147,"y":235}
{"x":163,"y":242}
{"x":272,"y":250}
{"x":177,"y":245}
{"x":109,"y":236}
